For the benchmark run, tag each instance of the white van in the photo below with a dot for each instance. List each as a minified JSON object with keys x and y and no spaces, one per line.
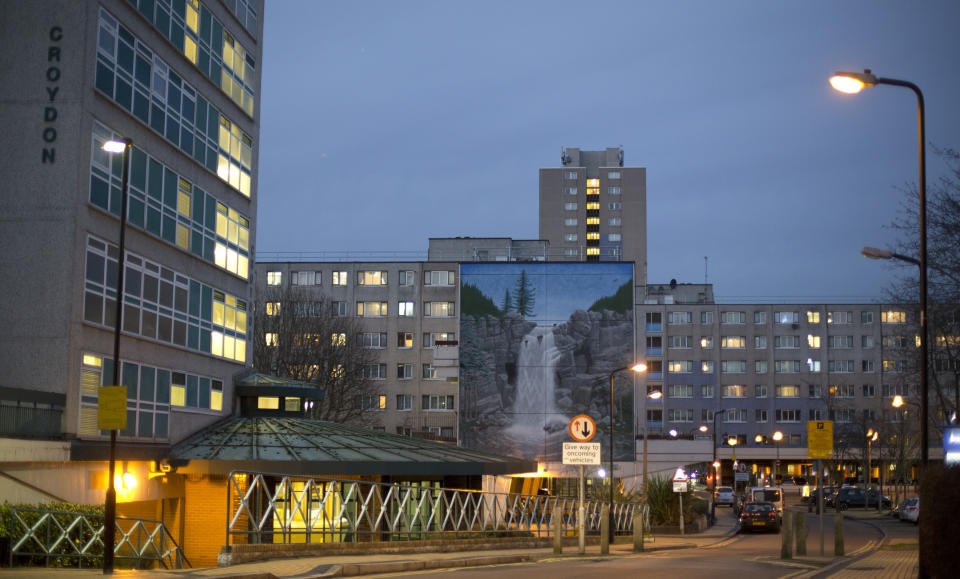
{"x":768,"y":495}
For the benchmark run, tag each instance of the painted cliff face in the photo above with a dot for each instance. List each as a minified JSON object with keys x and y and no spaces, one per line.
{"x":537,"y":344}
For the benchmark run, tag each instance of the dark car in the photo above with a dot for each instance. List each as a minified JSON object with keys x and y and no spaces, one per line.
{"x":856,"y":497}
{"x":827,"y":492}
{"x":759,"y":516}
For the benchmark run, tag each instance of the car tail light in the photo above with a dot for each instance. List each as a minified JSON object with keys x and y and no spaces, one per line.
{"x":772,"y":514}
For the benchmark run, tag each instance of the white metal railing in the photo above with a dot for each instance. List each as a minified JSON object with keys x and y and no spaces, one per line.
{"x":62,"y":539}
{"x":275,"y":508}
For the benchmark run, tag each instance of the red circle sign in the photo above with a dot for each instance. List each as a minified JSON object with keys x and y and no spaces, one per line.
{"x":582,"y":428}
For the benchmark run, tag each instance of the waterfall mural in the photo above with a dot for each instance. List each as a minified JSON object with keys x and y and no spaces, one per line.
{"x":537,"y":344}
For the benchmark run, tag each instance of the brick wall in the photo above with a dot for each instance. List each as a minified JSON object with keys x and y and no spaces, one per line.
{"x":205,"y":519}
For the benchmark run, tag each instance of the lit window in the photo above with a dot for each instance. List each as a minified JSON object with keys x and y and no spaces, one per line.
{"x":272,"y":309}
{"x":893,"y":317}
{"x":813,"y":342}
{"x":372,"y":309}
{"x":593,"y":235}
{"x":338,"y":339}
{"x":268,"y":402}
{"x":371,"y":278}
{"x":406,"y":309}
{"x":274,"y":277}
{"x":338,"y":278}
{"x":813,"y":317}
{"x":593,"y":221}
{"x":271,"y":339}
{"x":593,"y":205}
{"x":593,"y":251}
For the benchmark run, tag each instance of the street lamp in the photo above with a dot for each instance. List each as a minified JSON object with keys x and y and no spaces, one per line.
{"x":110,"y":504}
{"x":852,"y":83}
{"x":716,"y":463}
{"x":639,"y":368}
{"x":872,"y":436}
{"x":777,"y":437}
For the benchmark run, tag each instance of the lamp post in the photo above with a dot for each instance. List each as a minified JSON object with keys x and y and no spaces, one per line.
{"x":872,"y":436}
{"x":110,"y":503}
{"x":638,"y":368}
{"x":716,"y":463}
{"x":852,"y":83}
{"x":777,"y":437}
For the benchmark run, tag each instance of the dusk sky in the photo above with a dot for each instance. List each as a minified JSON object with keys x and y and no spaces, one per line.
{"x":386,"y":123}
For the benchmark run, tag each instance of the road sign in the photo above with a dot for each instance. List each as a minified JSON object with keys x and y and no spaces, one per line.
{"x":112,"y":407}
{"x":583,"y":453}
{"x":680,"y":487}
{"x":741,"y":476}
{"x":680,"y":475}
{"x":582,"y":428}
{"x":820,"y":439}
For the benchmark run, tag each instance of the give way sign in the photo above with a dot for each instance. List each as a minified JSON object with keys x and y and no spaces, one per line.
{"x":582,"y":428}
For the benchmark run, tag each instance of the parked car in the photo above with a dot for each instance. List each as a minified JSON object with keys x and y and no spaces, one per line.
{"x":827,"y":492}
{"x":910,"y":510}
{"x":724,"y":496}
{"x":856,"y":497}
{"x":758,"y":515}
{"x":772,"y":495}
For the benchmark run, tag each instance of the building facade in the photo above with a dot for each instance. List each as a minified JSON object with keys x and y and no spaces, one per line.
{"x":179,"y":79}
{"x":751,"y":370}
{"x":408,"y":320}
{"x":592,"y":208}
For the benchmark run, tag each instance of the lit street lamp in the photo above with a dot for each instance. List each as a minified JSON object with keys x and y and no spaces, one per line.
{"x":110,"y":507}
{"x":777,"y":437}
{"x":872,"y":436}
{"x":638,"y":368}
{"x":852,"y":83}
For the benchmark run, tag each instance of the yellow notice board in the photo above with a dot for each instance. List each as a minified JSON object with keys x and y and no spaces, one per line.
{"x":820,"y":439}
{"x":112,"y":407}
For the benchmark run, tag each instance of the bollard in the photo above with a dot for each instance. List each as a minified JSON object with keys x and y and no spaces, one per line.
{"x":605,"y":530}
{"x":838,"y":535}
{"x":786,"y":536}
{"x":801,"y":535}
{"x":557,"y":534}
{"x":637,"y":532}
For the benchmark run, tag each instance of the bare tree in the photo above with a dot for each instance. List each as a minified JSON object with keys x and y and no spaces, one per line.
{"x":943,"y":280}
{"x":302,"y":336}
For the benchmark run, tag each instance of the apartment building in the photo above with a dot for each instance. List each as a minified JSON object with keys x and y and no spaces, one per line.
{"x":749,"y":370}
{"x":592,"y":208}
{"x":180,"y":80}
{"x":408,"y":317}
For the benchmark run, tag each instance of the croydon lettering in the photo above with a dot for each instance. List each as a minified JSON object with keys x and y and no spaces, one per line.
{"x":52,"y":74}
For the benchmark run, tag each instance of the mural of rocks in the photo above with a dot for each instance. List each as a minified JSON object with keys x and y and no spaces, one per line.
{"x":542,"y":354}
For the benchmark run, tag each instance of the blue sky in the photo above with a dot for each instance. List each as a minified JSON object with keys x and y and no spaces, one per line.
{"x":559,"y":288}
{"x":386,"y":123}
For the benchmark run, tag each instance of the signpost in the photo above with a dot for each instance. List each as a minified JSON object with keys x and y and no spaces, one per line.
{"x":582,"y":453}
{"x":819,"y":447}
{"x":680,"y":485}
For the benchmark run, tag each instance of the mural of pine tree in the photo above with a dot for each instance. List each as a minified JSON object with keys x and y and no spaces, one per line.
{"x":507,"y":304}
{"x":524,"y":296}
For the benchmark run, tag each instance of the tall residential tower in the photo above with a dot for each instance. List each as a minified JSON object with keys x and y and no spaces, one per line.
{"x":595,"y":209}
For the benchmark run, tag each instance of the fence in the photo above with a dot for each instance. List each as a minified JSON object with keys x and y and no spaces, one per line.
{"x":62,"y":539}
{"x":266,"y":508}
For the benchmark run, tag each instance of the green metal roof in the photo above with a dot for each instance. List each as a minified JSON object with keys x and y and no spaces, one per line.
{"x":305,"y":446}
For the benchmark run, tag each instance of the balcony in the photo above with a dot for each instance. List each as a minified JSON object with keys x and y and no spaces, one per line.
{"x":30,"y":421}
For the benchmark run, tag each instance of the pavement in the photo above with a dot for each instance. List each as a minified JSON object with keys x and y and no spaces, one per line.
{"x":881,"y":559}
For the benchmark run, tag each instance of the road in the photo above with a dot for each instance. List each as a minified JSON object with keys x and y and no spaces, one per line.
{"x":742,"y":555}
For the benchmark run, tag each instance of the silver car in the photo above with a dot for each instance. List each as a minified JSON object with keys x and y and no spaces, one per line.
{"x":724,"y":496}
